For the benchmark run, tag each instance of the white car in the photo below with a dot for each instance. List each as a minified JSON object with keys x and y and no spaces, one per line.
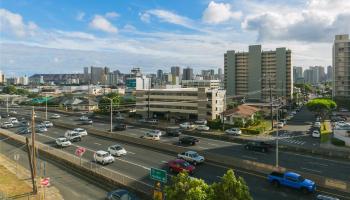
{"x":203,"y":128}
{"x":81,"y":131}
{"x":294,"y":112}
{"x":279,"y":125}
{"x":6,"y":125}
{"x":186,"y":125}
{"x":47,"y":124}
{"x":72,"y":136}
{"x":233,"y":131}
{"x":155,"y":132}
{"x":317,"y":124}
{"x":103,"y":157}
{"x":13,"y":112}
{"x":83,"y":118}
{"x":316,"y":134}
{"x":55,"y":116}
{"x":117,"y":150}
{"x":63,"y":142}
{"x":191,"y":156}
{"x":119,"y":117}
{"x":151,"y":136}
{"x":201,"y":121}
{"x":13,"y":120}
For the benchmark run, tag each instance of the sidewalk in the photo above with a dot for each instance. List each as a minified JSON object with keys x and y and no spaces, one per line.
{"x":22,"y":187}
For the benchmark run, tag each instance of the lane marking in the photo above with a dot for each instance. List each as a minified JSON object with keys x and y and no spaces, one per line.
{"x":249,"y":157}
{"x":212,"y":144}
{"x":201,"y":147}
{"x":132,"y":153}
{"x":314,"y":163}
{"x":97,"y":143}
{"x":307,"y":169}
{"x":163,"y":161}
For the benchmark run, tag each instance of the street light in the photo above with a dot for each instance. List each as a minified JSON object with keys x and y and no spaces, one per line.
{"x":45,"y":106}
{"x":111,"y":108}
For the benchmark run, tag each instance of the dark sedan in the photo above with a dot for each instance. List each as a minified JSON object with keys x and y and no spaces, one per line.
{"x":188,"y":140}
{"x":258,"y":146}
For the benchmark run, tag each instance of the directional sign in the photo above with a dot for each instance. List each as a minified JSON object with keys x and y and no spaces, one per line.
{"x":80,"y":151}
{"x":45,"y":182}
{"x":158,"y":175}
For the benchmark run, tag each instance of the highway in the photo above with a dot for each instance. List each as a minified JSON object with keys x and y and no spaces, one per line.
{"x":138,"y":161}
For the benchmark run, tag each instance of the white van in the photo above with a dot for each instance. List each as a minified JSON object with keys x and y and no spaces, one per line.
{"x":13,"y":120}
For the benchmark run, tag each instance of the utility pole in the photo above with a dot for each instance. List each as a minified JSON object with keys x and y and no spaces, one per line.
{"x":33,"y":143}
{"x":31,"y":166}
{"x":271,"y":102}
{"x":111,"y":115}
{"x":223,"y":114}
{"x":7,"y":105}
{"x":149,"y":90}
{"x":46,"y":107}
{"x":277,"y":159}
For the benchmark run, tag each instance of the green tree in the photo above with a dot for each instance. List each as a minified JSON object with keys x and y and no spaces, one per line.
{"x":11,"y":89}
{"x":230,"y":188}
{"x":186,"y":188}
{"x":321,"y":106}
{"x":105,"y":102}
{"x":22,"y":92}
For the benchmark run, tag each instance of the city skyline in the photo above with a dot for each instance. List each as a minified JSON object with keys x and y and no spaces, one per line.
{"x":159,"y":35}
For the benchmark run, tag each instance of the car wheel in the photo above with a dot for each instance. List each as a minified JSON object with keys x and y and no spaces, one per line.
{"x":304,"y":190}
{"x":275,"y":183}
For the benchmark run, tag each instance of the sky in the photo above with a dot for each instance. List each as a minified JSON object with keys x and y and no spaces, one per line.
{"x":63,"y":36}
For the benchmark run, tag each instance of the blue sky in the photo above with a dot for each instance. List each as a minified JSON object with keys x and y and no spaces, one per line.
{"x":66,"y":35}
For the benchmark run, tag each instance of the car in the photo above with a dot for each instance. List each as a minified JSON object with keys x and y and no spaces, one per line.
{"x":188,"y":140}
{"x":191,"y":156}
{"x":202,"y":128}
{"x":63,"y":142}
{"x":13,"y":120}
{"x":7,"y":125}
{"x":343,"y":110}
{"x":316,"y":134}
{"x":294,"y":112}
{"x":47,"y":124}
{"x":72,"y":136}
{"x":201,"y":121}
{"x":83,"y":118}
{"x":324,"y":197}
{"x":152,"y":121}
{"x":13,"y":112}
{"x":151,"y":136}
{"x":186,"y":125}
{"x":233,"y":131}
{"x":103,"y":157}
{"x":40,"y":128}
{"x":87,"y":122}
{"x":119,"y":118}
{"x":293,"y":180}
{"x":317,"y":124}
{"x":24,"y":123}
{"x":142,"y":120}
{"x":119,"y":127}
{"x":318,"y":119}
{"x":173,"y":131}
{"x":258,"y":146}
{"x":117,"y":150}
{"x":121,"y":194}
{"x":279,"y":124}
{"x":156,"y":132}
{"x":81,"y":131}
{"x":180,"y":165}
{"x":55,"y":116}
{"x":284,"y":121}
{"x":24,"y":130}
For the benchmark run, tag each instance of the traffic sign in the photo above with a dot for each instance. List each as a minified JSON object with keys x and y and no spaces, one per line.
{"x":45,"y":182}
{"x":80,"y":151}
{"x":158,"y":175}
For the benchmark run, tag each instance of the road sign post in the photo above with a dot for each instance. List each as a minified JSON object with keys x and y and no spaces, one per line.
{"x":79,"y":152}
{"x":158,"y":175}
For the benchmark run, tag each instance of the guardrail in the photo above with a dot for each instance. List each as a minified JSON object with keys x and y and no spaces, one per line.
{"x":87,"y":167}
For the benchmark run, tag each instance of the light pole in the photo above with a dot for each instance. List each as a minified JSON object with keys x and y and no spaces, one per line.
{"x":111,"y":109}
{"x":7,"y":105}
{"x":45,"y":106}
{"x":277,"y":159}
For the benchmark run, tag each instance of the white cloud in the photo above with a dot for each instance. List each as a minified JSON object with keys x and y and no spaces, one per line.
{"x":219,"y":12}
{"x":80,"y":16}
{"x":102,"y":24}
{"x":12,"y":23}
{"x":167,"y":16}
{"x":316,"y":20}
{"x":111,"y":15}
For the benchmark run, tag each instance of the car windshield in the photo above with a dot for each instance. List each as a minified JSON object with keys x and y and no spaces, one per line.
{"x":194,"y":155}
{"x":118,"y":148}
{"x":184,"y":164}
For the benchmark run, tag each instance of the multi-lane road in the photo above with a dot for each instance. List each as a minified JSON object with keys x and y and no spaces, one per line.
{"x":138,"y":161}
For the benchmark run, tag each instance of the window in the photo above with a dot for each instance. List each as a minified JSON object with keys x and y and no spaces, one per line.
{"x":291,"y":179}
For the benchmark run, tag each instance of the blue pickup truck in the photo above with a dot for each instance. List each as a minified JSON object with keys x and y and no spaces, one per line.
{"x":293,"y":180}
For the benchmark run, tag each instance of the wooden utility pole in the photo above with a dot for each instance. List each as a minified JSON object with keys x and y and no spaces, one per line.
{"x":35,"y":190}
{"x":33,"y":143}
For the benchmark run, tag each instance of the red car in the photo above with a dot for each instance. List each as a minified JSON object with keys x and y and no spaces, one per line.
{"x":179,"y":165}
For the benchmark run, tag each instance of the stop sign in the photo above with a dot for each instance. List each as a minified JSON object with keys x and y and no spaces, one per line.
{"x":45,"y":182}
{"x":80,"y":151}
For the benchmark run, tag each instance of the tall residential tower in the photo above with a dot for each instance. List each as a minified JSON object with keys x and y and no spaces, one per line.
{"x":341,"y":66}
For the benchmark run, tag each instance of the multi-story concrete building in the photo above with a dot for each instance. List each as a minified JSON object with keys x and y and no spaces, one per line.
{"x":341,"y":66}
{"x":297,"y":73}
{"x":138,"y":83}
{"x":87,"y":75}
{"x":208,"y":74}
{"x":98,"y":75}
{"x":329,"y":73}
{"x":250,"y":74}
{"x":212,"y":84}
{"x":175,"y":71}
{"x":2,"y":78}
{"x":188,"y":103}
{"x":312,"y":75}
{"x":187,"y":74}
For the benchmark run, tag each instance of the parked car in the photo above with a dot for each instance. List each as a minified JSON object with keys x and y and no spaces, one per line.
{"x":152,"y":121}
{"x":279,"y":124}
{"x":173,"y":131}
{"x":343,"y":110}
{"x":47,"y":124}
{"x":119,"y":118}
{"x":142,"y":120}
{"x":294,"y":112}
{"x":316,"y":134}
{"x":191,"y":156}
{"x":55,"y":116}
{"x":13,"y":120}
{"x":187,"y":125}
{"x":7,"y":125}
{"x":87,"y":122}
{"x":103,"y":157}
{"x":324,"y":197}
{"x":119,"y":127}
{"x":72,"y":136}
{"x":180,"y":165}
{"x":117,"y":150}
{"x":121,"y":194}
{"x":293,"y":180}
{"x":317,"y":124}
{"x":83,"y":118}
{"x":258,"y":146}
{"x":188,"y":140}
{"x":201,"y":121}
{"x":63,"y":142}
{"x":155,"y":132}
{"x":81,"y":131}
{"x":24,"y":123}
{"x":151,"y":136}
{"x":202,"y":128}
{"x":233,"y":131}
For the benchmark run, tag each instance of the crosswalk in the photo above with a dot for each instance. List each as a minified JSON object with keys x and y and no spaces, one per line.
{"x":292,"y":141}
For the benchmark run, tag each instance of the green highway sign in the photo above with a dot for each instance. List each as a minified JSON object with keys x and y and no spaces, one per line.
{"x":158,"y":175}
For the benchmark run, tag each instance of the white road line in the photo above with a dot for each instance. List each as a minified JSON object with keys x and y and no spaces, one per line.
{"x":97,"y":143}
{"x":249,"y":157}
{"x":163,"y":161}
{"x":132,"y":153}
{"x":201,"y":147}
{"x":311,"y":170}
{"x":212,"y":144}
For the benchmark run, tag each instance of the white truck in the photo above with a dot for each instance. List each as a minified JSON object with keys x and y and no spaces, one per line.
{"x":191,"y":156}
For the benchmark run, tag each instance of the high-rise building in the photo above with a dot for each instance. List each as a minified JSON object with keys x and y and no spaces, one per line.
{"x":312,"y":75}
{"x":341,"y":66}
{"x":208,"y":74}
{"x":160,"y":74}
{"x":321,"y":73}
{"x":329,"y":73}
{"x":250,"y":74}
{"x":297,"y":73}
{"x":220,"y":75}
{"x":97,"y":75}
{"x":187,"y":74}
{"x":2,"y":78}
{"x":86,"y":75}
{"x":175,"y":71}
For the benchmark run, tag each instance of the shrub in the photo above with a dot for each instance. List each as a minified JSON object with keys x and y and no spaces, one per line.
{"x":251,"y":131}
{"x":337,"y":142}
{"x":215,"y":124}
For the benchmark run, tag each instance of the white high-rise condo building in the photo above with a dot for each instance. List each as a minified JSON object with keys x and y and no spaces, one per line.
{"x":341,"y":66}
